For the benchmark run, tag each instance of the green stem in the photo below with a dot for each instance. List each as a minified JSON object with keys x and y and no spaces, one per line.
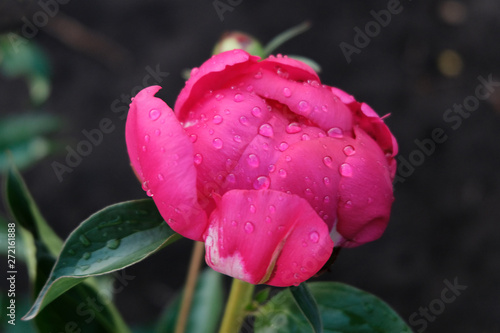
{"x":239,"y":297}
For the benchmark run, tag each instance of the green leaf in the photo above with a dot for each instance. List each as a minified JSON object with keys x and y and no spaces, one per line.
{"x":82,"y":308}
{"x":343,"y":309}
{"x":206,"y":308}
{"x":111,"y":239}
{"x":24,"y":209}
{"x":306,"y":303}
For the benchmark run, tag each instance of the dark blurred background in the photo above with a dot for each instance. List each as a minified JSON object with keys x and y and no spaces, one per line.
{"x":431,"y":57}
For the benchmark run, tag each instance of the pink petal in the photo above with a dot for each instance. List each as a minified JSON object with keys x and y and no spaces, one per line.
{"x":310,"y":169}
{"x":216,"y":73}
{"x":266,"y":237}
{"x":162,"y":155}
{"x":221,"y":126}
{"x":291,"y":68}
{"x":308,"y":99}
{"x":365,"y":196}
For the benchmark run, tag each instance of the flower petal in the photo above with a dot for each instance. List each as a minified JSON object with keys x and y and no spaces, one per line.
{"x":365,"y":195}
{"x":291,"y":68}
{"x":266,"y":237}
{"x":308,"y":99}
{"x":216,"y":73}
{"x":162,"y":155}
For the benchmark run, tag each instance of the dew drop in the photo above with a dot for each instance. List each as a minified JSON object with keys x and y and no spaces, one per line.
{"x":144,"y":148}
{"x":345,"y":170}
{"x":160,"y":177}
{"x":288,"y":158}
{"x":149,"y":193}
{"x":217,"y":143}
{"x":198,"y":158}
{"x":258,"y":75}
{"x":283,"y":146}
{"x":287,"y":92}
{"x":84,"y":240}
{"x":231,"y":178}
{"x":282,"y":173}
{"x":147,"y":138}
{"x":293,"y":128}
{"x":72,"y":252}
{"x":244,"y":120}
{"x":348,"y":204}
{"x":304,"y":106}
{"x":308,"y":191}
{"x":218,"y":97}
{"x":271,"y":168}
{"x":304,"y":244}
{"x":157,"y":132}
{"x":305,"y":137}
{"x":145,"y":186}
{"x":154,"y":114}
{"x":328,"y":161}
{"x":268,"y":219}
{"x":324,"y":108}
{"x":272,"y":209}
{"x":253,"y":160}
{"x":335,"y":132}
{"x":326,"y":199}
{"x":86,"y":255}
{"x":266,"y":130}
{"x":113,"y":244}
{"x":194,"y":71}
{"x":257,"y":112}
{"x":237,"y":138}
{"x":252,"y":209}
{"x":349,"y":150}
{"x":238,"y":97}
{"x":326,"y":180}
{"x":249,"y":227}
{"x":234,"y":223}
{"x":217,"y":119}
{"x":261,"y":183}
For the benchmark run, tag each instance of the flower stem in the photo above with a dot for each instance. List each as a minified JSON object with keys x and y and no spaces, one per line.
{"x":192,"y":277}
{"x":239,"y":297}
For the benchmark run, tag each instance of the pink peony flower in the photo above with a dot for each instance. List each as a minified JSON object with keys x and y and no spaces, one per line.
{"x":264,"y":164}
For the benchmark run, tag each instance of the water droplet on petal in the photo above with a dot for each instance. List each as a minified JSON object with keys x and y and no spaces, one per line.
{"x":238,"y":98}
{"x":193,"y":138}
{"x":266,"y":130}
{"x":217,"y":143}
{"x":258,"y":75}
{"x":304,"y":106}
{"x":304,"y":244}
{"x":252,"y":209}
{"x":198,"y":158}
{"x":283,"y":146}
{"x":293,"y":128}
{"x":157,"y":132}
{"x":249,"y":227}
{"x":287,"y":92}
{"x":268,"y":219}
{"x":253,"y":160}
{"x":237,"y":138}
{"x":147,"y":138}
{"x":282,"y":173}
{"x":335,"y":132}
{"x":144,"y":148}
{"x":257,"y":112}
{"x":234,"y":223}
{"x":217,"y":119}
{"x":305,"y":137}
{"x":149,"y":193}
{"x":288,"y":158}
{"x":194,"y":71}
{"x":326,"y":180}
{"x":326,"y":199}
{"x":345,"y":170}
{"x":349,"y":150}
{"x":160,"y":177}
{"x":231,"y":178}
{"x":271,"y":168}
{"x":272,"y":209}
{"x":218,"y":97}
{"x":154,"y":114}
{"x":328,"y":161}
{"x":261,"y":183}
{"x":308,"y":192}
{"x":243,"y":120}
{"x":348,"y":204}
